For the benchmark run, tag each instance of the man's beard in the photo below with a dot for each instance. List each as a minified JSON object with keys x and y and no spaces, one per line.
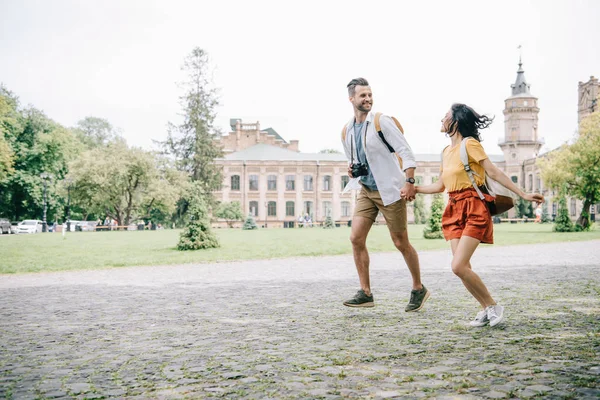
{"x":361,"y":108}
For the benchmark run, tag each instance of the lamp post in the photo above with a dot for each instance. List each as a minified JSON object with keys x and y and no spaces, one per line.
{"x":45,"y":176}
{"x":266,"y":212}
{"x":69,"y":181}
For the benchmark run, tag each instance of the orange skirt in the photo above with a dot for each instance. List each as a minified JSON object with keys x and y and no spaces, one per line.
{"x":467,"y":215}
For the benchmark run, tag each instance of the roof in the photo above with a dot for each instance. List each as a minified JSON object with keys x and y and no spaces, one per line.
{"x":520,"y":86}
{"x":273,"y":132}
{"x":266,"y":152}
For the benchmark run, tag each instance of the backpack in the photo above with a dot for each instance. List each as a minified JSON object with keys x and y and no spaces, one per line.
{"x":381,"y":135}
{"x":503,"y":198}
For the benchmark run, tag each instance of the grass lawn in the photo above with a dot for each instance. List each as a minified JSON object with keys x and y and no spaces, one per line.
{"x":86,"y":250}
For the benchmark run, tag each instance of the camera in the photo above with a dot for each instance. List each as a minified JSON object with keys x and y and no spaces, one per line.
{"x":359,"y":169}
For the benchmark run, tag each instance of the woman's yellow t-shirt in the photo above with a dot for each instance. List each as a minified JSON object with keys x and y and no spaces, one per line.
{"x":453,"y":171}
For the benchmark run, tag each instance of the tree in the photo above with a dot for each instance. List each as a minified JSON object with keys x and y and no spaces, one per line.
{"x":328,"y":222}
{"x":250,"y":223}
{"x":125,"y":183}
{"x":197,"y":234}
{"x":95,"y":132}
{"x":330,"y":151}
{"x":8,"y":117}
{"x":230,"y":212}
{"x":545,"y":216}
{"x":419,"y":211}
{"x":192,"y":142}
{"x":433,"y":229}
{"x":523,"y":208}
{"x":33,"y":144}
{"x":563,"y":222}
{"x":575,"y":169}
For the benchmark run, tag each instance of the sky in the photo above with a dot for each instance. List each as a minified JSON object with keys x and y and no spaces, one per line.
{"x":287,"y":64}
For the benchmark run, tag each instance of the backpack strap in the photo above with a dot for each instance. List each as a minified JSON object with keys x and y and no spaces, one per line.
{"x":344,"y":132}
{"x":382,"y":136}
{"x":464,"y":158}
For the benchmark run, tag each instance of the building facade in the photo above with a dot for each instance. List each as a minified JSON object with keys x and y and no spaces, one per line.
{"x":277,"y":184}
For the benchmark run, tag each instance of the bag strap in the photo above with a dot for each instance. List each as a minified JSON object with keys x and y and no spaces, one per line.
{"x":464,"y":157}
{"x":382,"y":136}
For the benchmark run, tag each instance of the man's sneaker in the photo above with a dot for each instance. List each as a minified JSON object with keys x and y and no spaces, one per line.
{"x":360,"y":299}
{"x":481,"y":319}
{"x":495,"y":314}
{"x":417,"y":299}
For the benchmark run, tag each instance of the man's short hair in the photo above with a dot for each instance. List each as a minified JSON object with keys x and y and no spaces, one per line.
{"x":354,"y":83}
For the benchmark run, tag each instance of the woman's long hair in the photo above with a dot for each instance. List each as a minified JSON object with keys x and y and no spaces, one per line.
{"x":467,"y":121}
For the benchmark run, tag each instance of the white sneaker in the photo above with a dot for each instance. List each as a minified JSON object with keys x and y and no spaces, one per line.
{"x":481,"y":319}
{"x":495,"y":314}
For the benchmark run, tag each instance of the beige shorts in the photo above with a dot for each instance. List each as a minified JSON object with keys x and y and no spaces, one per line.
{"x":369,"y":204}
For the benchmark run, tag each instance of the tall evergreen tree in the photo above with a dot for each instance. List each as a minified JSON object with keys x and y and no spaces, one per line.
{"x":192,"y":142}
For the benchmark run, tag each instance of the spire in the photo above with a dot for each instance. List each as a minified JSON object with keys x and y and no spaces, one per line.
{"x":520,"y":85}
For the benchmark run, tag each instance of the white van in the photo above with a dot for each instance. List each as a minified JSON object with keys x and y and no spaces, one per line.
{"x":30,"y":226}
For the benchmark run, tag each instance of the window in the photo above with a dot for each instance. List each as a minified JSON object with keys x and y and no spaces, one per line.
{"x":253,"y":182}
{"x":530,"y":182}
{"x":308,"y":182}
{"x":592,"y":210}
{"x":254,"y":208}
{"x":553,"y":209}
{"x":272,"y":209}
{"x":514,"y":179}
{"x":345,"y":208}
{"x":289,"y":209}
{"x":290,"y":182}
{"x":418,"y":180}
{"x":326,"y":208}
{"x":345,"y":180}
{"x":308,"y":207}
{"x":573,"y":207}
{"x":538,"y":183}
{"x":525,"y":103}
{"x":327,"y":183}
{"x":272,"y":182}
{"x":235,"y":182}
{"x":434,"y":179}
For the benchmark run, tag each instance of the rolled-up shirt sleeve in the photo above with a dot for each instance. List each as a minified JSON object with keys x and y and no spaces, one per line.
{"x":397,"y":140}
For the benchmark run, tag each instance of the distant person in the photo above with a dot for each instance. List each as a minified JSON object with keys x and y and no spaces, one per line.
{"x":384,"y":187}
{"x":538,"y":213}
{"x":467,"y":221}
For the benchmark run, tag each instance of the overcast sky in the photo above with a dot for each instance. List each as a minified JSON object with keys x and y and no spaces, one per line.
{"x":287,"y":64}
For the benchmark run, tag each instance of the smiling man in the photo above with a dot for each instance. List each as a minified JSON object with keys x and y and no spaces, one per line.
{"x":374,"y":145}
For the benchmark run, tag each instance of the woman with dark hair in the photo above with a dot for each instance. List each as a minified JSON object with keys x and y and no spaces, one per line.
{"x":467,"y":221}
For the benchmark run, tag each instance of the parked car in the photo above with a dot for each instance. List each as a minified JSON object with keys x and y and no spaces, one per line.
{"x":13,"y":227}
{"x":4,"y":226}
{"x":30,"y":226}
{"x":85,"y":226}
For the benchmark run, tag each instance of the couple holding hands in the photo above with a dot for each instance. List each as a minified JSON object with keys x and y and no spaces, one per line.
{"x":382,"y":167}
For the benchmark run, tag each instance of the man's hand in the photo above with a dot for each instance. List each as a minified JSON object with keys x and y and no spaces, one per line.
{"x":534,"y":198}
{"x":408,"y":192}
{"x":350,"y":172}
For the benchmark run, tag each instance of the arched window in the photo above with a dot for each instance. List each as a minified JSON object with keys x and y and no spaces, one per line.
{"x":272,"y":209}
{"x":290,"y":209}
{"x":254,"y":208}
{"x":327,"y":183}
{"x":235,"y":182}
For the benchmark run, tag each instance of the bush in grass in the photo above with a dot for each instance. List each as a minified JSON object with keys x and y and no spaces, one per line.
{"x":197,"y":234}
{"x":563,"y":222}
{"x":328,"y":223}
{"x":250,"y":223}
{"x":433,"y":229}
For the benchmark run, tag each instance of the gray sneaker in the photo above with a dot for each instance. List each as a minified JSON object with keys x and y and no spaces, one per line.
{"x":360,"y":299}
{"x":417,"y":299}
{"x":481,"y":319}
{"x":495,"y":314}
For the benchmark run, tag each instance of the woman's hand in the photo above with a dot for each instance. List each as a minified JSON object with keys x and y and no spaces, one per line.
{"x":534,"y":197}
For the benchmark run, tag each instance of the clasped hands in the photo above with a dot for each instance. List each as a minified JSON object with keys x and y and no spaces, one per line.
{"x":408,"y":192}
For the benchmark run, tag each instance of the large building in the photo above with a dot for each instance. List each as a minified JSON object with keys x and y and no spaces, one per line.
{"x":277,"y":183}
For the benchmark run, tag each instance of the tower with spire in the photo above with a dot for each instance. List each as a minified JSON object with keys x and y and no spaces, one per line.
{"x":521,"y":140}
